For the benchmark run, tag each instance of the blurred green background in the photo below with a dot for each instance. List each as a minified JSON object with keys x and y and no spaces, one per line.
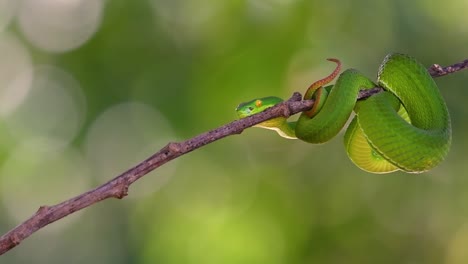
{"x":90,"y":87}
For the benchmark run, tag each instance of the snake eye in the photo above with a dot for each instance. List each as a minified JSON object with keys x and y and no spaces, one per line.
{"x":258,"y":103}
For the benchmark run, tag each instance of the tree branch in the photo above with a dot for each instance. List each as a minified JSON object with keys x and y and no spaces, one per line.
{"x":118,"y":187}
{"x":437,"y":71}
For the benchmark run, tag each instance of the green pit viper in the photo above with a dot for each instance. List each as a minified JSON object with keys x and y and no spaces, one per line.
{"x":406,"y":127}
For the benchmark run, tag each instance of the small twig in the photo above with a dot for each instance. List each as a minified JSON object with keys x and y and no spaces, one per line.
{"x":118,"y":187}
{"x":437,"y":71}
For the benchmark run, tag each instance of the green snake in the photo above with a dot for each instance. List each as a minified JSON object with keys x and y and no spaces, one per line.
{"x":406,"y":127}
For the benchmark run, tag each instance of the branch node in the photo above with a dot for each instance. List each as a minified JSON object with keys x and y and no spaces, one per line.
{"x":120,"y":190}
{"x":15,"y":239}
{"x":174,"y":147}
{"x":296,"y":97}
{"x":123,"y":191}
{"x":42,"y":209}
{"x":436,"y":68}
{"x":286,"y":107}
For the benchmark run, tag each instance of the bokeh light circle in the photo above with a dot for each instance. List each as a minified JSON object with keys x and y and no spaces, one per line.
{"x":7,"y":12}
{"x":254,"y":240}
{"x":59,"y":25}
{"x":124,"y":135}
{"x":197,"y":196}
{"x":54,"y":107}
{"x":15,"y":73}
{"x":38,"y":172}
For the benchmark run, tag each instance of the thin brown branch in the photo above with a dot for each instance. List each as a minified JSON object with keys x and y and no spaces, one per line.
{"x":437,"y":71}
{"x":118,"y":187}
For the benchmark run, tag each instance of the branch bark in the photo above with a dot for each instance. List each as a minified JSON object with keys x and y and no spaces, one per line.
{"x":437,"y":71}
{"x":118,"y":186}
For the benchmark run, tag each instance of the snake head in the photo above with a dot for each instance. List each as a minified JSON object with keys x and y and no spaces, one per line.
{"x":256,"y":106}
